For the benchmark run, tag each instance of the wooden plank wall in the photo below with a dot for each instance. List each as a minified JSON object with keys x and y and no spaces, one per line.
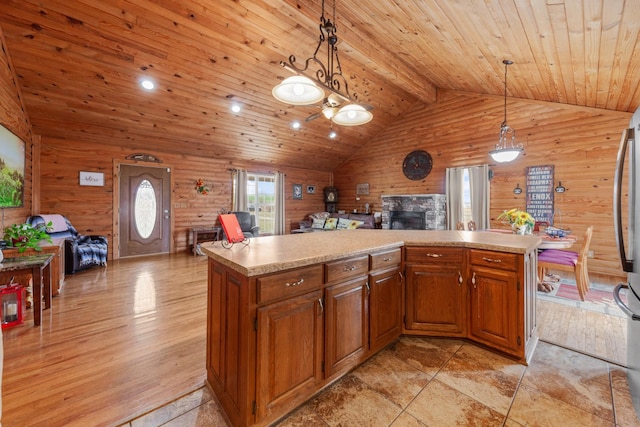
{"x":14,"y":117}
{"x":90,"y":209}
{"x":461,"y":128}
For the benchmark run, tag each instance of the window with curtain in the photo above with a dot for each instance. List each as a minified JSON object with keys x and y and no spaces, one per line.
{"x":261,"y":200}
{"x":468,"y":196}
{"x":261,"y":195}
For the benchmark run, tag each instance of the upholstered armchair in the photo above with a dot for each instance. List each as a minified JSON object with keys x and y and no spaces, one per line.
{"x":81,"y":252}
{"x":247,"y":222}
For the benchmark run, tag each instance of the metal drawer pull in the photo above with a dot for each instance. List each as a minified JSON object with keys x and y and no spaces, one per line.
{"x":497,"y":261}
{"x":435,"y":255}
{"x":299,"y":282}
{"x":386,"y":259}
{"x":353,"y":267}
{"x":459,"y":278}
{"x":473,"y":280}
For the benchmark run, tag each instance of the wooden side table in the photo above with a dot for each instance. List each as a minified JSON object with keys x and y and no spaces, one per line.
{"x":203,"y":234}
{"x":57,"y":264}
{"x":40,"y":268}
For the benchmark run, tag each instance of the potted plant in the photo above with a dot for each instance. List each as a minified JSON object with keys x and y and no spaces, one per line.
{"x":24,"y":236}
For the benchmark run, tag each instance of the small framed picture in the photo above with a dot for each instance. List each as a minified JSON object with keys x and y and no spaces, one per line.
{"x":311,"y":189}
{"x":362,"y":188}
{"x":297,"y":191}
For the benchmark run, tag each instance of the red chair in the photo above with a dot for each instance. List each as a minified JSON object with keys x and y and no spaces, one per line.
{"x":556,"y":259}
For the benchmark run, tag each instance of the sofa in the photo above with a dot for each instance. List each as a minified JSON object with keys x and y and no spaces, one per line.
{"x":80,"y":252}
{"x":323,"y":221}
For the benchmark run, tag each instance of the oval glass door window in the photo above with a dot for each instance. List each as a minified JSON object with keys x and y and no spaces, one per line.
{"x":145,"y":209}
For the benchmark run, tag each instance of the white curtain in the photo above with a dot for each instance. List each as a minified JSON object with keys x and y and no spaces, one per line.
{"x":279,"y":226}
{"x":480,"y":195}
{"x":479,"y":192}
{"x":240,"y":191}
{"x":455,"y":196}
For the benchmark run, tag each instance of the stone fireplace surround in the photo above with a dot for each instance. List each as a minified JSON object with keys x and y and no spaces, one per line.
{"x":403,"y":212}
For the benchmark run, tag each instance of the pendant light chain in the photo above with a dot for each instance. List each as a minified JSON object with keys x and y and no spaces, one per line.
{"x":506,"y":63}
{"x":505,"y":95}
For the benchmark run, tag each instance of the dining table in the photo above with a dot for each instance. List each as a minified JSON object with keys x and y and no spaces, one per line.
{"x":565,"y":242}
{"x":548,"y":242}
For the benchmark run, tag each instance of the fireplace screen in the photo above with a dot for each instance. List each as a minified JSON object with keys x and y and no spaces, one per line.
{"x":406,"y":220}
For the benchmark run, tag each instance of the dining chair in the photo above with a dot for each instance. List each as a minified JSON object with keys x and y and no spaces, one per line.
{"x":460,"y":226}
{"x":576,"y":262}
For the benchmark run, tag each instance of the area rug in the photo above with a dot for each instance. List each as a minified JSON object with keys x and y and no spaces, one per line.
{"x":599,"y":298}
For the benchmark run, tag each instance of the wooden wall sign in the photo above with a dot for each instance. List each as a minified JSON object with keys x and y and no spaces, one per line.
{"x":540,"y":192}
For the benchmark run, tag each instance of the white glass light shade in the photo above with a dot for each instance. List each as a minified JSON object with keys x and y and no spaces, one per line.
{"x":352,"y":115}
{"x":298,"y":90}
{"x":504,"y":155}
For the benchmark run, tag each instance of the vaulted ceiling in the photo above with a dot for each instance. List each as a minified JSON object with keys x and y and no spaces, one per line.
{"x":79,"y":64}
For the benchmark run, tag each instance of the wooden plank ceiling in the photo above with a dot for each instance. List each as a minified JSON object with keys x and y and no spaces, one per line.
{"x":79,"y":63}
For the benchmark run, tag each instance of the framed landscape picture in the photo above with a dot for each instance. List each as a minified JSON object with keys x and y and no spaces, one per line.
{"x":12,"y":159}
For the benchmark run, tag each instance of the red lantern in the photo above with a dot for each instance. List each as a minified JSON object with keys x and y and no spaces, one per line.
{"x":12,"y":305}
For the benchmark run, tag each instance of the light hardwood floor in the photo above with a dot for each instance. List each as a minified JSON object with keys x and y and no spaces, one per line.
{"x":596,"y":334}
{"x":571,"y":325}
{"x":123,"y":340}
{"x":118,"y":342}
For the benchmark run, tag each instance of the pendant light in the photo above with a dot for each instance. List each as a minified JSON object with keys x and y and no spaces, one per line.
{"x":506,"y":151}
{"x":315,"y":78}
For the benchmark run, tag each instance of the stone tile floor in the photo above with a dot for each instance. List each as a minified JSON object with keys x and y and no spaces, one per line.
{"x":446,"y":382}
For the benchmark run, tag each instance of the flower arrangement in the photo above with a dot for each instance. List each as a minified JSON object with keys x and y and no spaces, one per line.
{"x":521,"y":221}
{"x":201,"y":187}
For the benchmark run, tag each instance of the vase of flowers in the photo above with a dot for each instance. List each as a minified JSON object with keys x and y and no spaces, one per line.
{"x":521,"y":221}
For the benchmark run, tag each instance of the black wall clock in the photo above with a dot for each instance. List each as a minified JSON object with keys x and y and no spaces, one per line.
{"x":417,"y":165}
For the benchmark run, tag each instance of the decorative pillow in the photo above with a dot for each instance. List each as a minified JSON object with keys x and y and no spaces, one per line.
{"x":320,"y":215}
{"x":343,"y":223}
{"x":318,"y":223}
{"x":353,"y":224}
{"x":330,"y":223}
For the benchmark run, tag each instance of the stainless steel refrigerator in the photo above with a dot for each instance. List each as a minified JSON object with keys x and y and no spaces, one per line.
{"x":626,"y":196}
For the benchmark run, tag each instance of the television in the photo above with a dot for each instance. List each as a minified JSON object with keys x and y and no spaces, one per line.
{"x":12,"y":160}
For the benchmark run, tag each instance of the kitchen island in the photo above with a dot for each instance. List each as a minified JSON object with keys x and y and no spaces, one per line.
{"x":289,"y":315}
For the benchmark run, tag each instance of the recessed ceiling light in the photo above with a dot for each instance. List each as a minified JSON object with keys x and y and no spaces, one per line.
{"x":147,"y":84}
{"x":296,"y":125}
{"x":235,"y":108}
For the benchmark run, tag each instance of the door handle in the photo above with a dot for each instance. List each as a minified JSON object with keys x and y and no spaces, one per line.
{"x":627,"y":264}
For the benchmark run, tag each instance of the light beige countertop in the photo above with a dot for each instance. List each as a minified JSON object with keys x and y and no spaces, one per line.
{"x":270,"y":254}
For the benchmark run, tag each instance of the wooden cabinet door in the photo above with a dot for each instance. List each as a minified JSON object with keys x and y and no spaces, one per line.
{"x":289,"y":353}
{"x":436,"y":299}
{"x":347,"y":326}
{"x":494,"y":307}
{"x":385,"y":308}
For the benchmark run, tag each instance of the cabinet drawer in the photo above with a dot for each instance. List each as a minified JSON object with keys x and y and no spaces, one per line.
{"x":347,"y":268}
{"x":434,"y":254}
{"x":289,"y":283}
{"x":386,"y":259}
{"x":501,"y":260}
